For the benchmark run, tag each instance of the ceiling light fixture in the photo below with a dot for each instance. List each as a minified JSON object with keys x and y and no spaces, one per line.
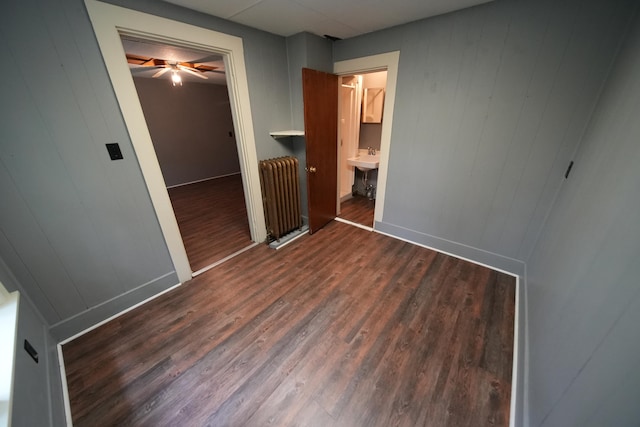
{"x":175,"y":78}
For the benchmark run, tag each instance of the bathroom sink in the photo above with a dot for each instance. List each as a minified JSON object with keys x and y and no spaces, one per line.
{"x":365,"y":162}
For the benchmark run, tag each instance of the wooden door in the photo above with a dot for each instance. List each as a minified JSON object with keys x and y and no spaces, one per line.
{"x":320,"y":95}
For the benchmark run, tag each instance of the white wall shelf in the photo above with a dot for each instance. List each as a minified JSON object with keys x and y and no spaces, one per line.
{"x":286,"y":133}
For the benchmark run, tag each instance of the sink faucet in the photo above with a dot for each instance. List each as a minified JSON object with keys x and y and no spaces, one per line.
{"x":371,"y":151}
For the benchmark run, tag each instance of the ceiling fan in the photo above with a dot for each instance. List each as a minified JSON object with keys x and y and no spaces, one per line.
{"x":193,"y":68}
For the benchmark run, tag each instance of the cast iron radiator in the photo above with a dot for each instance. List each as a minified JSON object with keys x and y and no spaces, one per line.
{"x":281,"y":196}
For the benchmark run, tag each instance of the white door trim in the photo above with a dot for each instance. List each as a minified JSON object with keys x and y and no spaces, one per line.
{"x":388,"y":61}
{"x":109,"y":22}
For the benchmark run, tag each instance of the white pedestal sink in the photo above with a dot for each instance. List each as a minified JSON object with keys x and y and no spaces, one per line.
{"x":365,"y":162}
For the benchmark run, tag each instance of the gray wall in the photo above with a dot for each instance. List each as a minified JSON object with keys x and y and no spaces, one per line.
{"x":191,"y":128}
{"x":304,"y":50}
{"x":76,"y":229}
{"x":583,"y":276}
{"x":490,"y":104}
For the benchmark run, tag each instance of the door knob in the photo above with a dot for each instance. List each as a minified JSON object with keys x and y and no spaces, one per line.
{"x":311,"y":169}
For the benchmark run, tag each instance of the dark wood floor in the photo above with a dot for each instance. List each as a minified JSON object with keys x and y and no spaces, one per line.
{"x":212,"y":217}
{"x":341,"y":328}
{"x":358,"y":209}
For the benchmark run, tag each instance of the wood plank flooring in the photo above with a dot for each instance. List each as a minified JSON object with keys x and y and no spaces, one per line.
{"x":212,"y":217}
{"x":358,"y":209}
{"x":341,"y":328}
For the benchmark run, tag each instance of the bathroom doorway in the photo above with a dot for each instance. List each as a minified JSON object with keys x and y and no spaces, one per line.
{"x":361,"y":117}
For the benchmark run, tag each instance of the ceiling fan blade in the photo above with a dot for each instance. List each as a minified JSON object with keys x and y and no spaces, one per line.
{"x":145,"y":61}
{"x":190,"y":71}
{"x":161,"y":72}
{"x":196,"y":66}
{"x":208,"y":58}
{"x":203,"y":68}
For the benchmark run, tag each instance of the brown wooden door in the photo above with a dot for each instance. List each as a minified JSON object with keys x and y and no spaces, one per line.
{"x":320,"y":95}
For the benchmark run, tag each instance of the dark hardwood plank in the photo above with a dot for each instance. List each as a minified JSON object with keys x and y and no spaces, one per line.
{"x":321,"y":332}
{"x":358,"y":209}
{"x":212,"y":217}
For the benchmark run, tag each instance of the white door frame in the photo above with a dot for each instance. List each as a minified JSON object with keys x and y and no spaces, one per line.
{"x":388,"y":61}
{"x":109,"y":22}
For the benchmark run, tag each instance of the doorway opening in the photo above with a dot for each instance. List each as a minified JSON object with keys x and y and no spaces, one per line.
{"x":361,"y":117}
{"x":389,"y":62}
{"x":184,"y":97}
{"x":109,"y":22}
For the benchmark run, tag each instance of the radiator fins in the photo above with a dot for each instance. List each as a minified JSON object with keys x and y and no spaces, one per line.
{"x":281,"y":196}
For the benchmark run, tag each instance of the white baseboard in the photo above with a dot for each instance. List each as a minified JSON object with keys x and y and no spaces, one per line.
{"x":202,"y":180}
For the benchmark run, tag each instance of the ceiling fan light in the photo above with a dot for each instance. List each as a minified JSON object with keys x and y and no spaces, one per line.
{"x":175,"y":78}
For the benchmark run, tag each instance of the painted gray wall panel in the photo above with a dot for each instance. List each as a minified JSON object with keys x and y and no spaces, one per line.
{"x":584,"y":299}
{"x":620,"y":408}
{"x":491,"y":102}
{"x":319,"y":53}
{"x":595,"y":18}
{"x":269,"y":91}
{"x":79,"y":229}
{"x":296,"y":146}
{"x":147,"y":246}
{"x":189,"y":127}
{"x":54,"y":165}
{"x":610,"y":370}
{"x":93,"y":315}
{"x":20,"y":274}
{"x":27,"y":243}
{"x":296,"y":60}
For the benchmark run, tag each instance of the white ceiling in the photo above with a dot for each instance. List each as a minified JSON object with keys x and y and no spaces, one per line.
{"x":337,"y":18}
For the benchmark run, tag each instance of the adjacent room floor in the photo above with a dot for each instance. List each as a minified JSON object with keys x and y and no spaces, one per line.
{"x":344,"y":327}
{"x":359,"y":210}
{"x":212,"y":217}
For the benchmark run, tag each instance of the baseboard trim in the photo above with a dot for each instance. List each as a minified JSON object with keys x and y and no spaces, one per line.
{"x":93,"y":317}
{"x":478,"y":256}
{"x":355,"y":224}
{"x":65,"y":389}
{"x":202,"y":180}
{"x":517,"y":370}
{"x":225,"y":259}
{"x":522,"y":404}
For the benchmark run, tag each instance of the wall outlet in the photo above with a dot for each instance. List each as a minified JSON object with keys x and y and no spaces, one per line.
{"x":114,"y":151}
